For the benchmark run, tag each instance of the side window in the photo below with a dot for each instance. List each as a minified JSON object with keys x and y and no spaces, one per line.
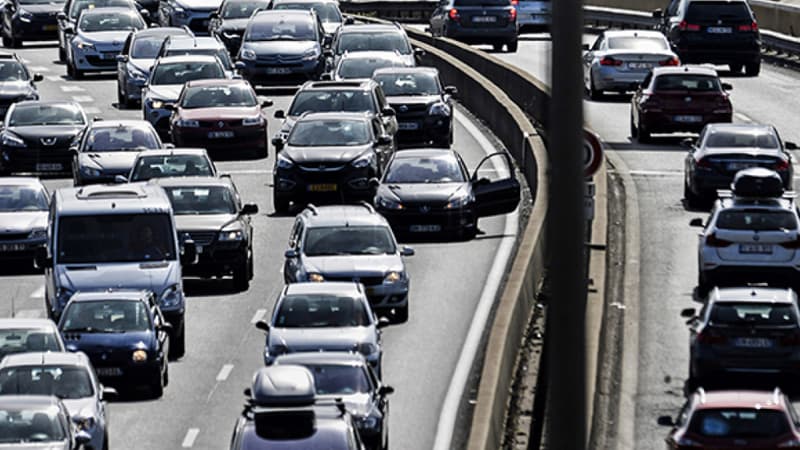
{"x":672,"y":9}
{"x":683,"y":415}
{"x":381,"y":98}
{"x":297,"y":233}
{"x":598,"y":44}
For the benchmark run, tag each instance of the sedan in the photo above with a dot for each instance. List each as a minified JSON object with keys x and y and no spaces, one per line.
{"x":620,"y":59}
{"x":230,"y":20}
{"x":28,"y":20}
{"x":38,"y":422}
{"x":16,"y":82}
{"x":98,"y":39}
{"x":24,"y":209}
{"x":220,"y":115}
{"x":19,"y":335}
{"x":178,"y":162}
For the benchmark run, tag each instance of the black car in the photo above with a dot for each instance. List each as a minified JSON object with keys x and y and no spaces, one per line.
{"x":210,"y":212}
{"x":330,"y":156}
{"x":37,"y":136}
{"x":477,"y":22}
{"x":124,"y":334}
{"x":229,"y":21}
{"x":429,"y":191}
{"x":424,"y":109}
{"x":29,"y":20}
{"x":16,"y":82}
{"x":713,"y":31}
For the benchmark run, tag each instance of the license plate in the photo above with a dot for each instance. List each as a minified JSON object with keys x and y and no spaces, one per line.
{"x":753,"y":342}
{"x":640,"y":65}
{"x":48,"y":167}
{"x":688,"y":119}
{"x":326,"y":187}
{"x":425,"y":228}
{"x":719,"y":30}
{"x":220,"y":134}
{"x":109,"y":371}
{"x":762,"y":249}
{"x":484,"y":19}
{"x":12,"y":247}
{"x":278,"y":70}
{"x":50,"y":27}
{"x":408,"y":125}
{"x":108,"y":56}
{"x":738,"y":166}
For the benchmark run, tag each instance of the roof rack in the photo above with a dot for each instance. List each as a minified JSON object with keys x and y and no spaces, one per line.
{"x":776,"y":395}
{"x":313,"y":208}
{"x":727,"y":194}
{"x":367,"y":205}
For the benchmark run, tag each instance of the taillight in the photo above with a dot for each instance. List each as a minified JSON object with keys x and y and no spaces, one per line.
{"x":713,"y":241}
{"x":793,"y":244}
{"x":781,"y":165}
{"x":752,"y":27}
{"x":702,"y":162}
{"x":609,"y":61}
{"x":686,"y":26}
{"x":512,"y":14}
{"x":514,"y":2}
{"x":709,"y":337}
{"x":791,"y":339}
{"x":453,"y":15}
{"x":669,"y":62}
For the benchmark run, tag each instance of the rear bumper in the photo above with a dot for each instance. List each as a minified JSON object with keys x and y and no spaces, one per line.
{"x":216,"y":259}
{"x":258,"y":72}
{"x":710,"y":52}
{"x":35,"y":30}
{"x":451,"y":222}
{"x":424,"y":129}
{"x":783,"y":274}
{"x":482,"y":35}
{"x":244,"y":138}
{"x":613,"y":79}
{"x":665,"y":122}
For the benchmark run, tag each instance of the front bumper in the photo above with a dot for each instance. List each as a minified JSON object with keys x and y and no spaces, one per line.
{"x":94,"y":59}
{"x":39,"y":28}
{"x":35,"y":160}
{"x":430,"y":220}
{"x":339,"y":185}
{"x":242,"y":138}
{"x":274,"y":72}
{"x":424,"y":129}
{"x":665,"y":122}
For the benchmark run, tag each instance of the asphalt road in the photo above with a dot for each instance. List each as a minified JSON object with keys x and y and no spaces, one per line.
{"x":668,"y":245}
{"x":204,"y":396}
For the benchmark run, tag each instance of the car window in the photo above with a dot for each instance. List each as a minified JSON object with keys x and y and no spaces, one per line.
{"x":45,"y":114}
{"x":201,"y":200}
{"x":443,"y":169}
{"x":21,"y":424}
{"x":756,"y":220}
{"x":375,"y":41}
{"x":340,"y":379}
{"x":321,"y":311}
{"x":742,"y":140}
{"x":329,"y":133}
{"x":643,"y":44}
{"x":241,"y":10}
{"x":349,"y":240}
{"x":408,"y":84}
{"x":106,"y":316}
{"x":109,"y":22}
{"x":12,"y":70}
{"x":350,"y":68}
{"x":335,"y":100}
{"x":109,"y":139}
{"x":180,"y":73}
{"x":735,"y":423}
{"x":148,"y":167}
{"x":21,"y":340}
{"x":707,"y":11}
{"x":80,"y":5}
{"x":62,"y":381}
{"x":218,"y":96}
{"x":327,"y":11}
{"x":752,"y":314}
{"x":686,"y":82}
{"x":283,"y":30}
{"x":22,"y":198}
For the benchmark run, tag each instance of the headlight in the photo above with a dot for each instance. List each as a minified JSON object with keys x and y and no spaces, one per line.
{"x":136,"y":73}
{"x":251,"y":121}
{"x":38,"y":234}
{"x":91,"y":172}
{"x":365,"y":348}
{"x":235,"y":235}
{"x":139,"y":356}
{"x":85,"y":46}
{"x":316,"y":277}
{"x":84,"y":421}
{"x":230,"y":35}
{"x":184,"y":123}
{"x":10,"y":140}
{"x":439,"y":109}
{"x":63,"y":295}
{"x":171,"y":297}
{"x":458,"y":202}
{"x":311,"y":55}
{"x":390,"y":204}
{"x":247,"y":55}
{"x":278,"y":349}
{"x":284,"y":162}
{"x":363,"y":161}
{"x":156,"y":104}
{"x":392,"y":277}
{"x":25,"y":15}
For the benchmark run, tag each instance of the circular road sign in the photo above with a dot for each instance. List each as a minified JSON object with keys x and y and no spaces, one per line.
{"x":592,"y":153}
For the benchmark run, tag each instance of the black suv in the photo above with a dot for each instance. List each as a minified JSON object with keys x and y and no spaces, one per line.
{"x":713,"y":31}
{"x":210,"y":212}
{"x":30,"y":20}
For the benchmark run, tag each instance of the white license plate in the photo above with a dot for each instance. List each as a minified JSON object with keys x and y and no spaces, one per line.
{"x":278,"y":70}
{"x":109,"y":371}
{"x":109,"y":56}
{"x":408,"y":125}
{"x":752,"y":342}
{"x":738,"y":166}
{"x":425,"y":228}
{"x":49,"y":167}
{"x":719,"y":30}
{"x":220,"y":134}
{"x":640,"y":65}
{"x":758,"y":249}
{"x":688,"y":119}
{"x":484,"y":19}
{"x":12,"y":247}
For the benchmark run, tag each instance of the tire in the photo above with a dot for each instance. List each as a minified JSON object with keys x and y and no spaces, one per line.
{"x":634,"y":130}
{"x":241,"y":280}
{"x":512,"y":46}
{"x":752,"y":70}
{"x":643,"y":135}
{"x":16,"y":42}
{"x":166,"y":373}
{"x":105,"y":440}
{"x":177,"y":347}
{"x":497,"y":47}
{"x":401,"y":314}
{"x":594,"y":94}
{"x":251,"y":272}
{"x":735,"y":68}
{"x":281,"y":205}
{"x":692,"y":200}
{"x":703,"y":288}
{"x":62,"y":55}
{"x":157,"y":387}
{"x":6,"y":42}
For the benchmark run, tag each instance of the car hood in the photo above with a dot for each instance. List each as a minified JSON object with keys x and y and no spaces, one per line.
{"x":165,"y":91}
{"x":116,"y":38}
{"x":109,"y":162}
{"x":226,"y":113}
{"x":99,"y":342}
{"x":321,"y":339}
{"x":736,"y":151}
{"x":341,"y":154}
{"x":420,"y":192}
{"x":200,"y":4}
{"x":396,"y":101}
{"x":283,"y":48}
{"x":358,"y":405}
{"x":143,"y":64}
{"x":153,"y":276}
{"x":202,"y":222}
{"x":39,"y":131}
{"x":13,"y":89}
{"x":22,"y":221}
{"x":354,"y":265}
{"x":85,"y":405}
{"x":54,"y":7}
{"x":234,"y":25}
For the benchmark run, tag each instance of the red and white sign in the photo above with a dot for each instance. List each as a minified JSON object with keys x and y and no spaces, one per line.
{"x":592,"y":153}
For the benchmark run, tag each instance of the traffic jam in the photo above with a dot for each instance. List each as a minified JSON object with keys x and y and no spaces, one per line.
{"x":364,"y":161}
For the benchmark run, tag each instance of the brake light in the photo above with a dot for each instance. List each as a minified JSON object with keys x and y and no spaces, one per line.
{"x":713,"y":241}
{"x":791,"y":339}
{"x":512,"y":14}
{"x":793,"y":244}
{"x":708,"y":337}
{"x":670,"y":62}
{"x":782,"y":165}
{"x":453,"y":15}
{"x":752,"y":27}
{"x":703,"y":163}
{"x":514,"y":2}
{"x":609,"y":61}
{"x":686,"y":26}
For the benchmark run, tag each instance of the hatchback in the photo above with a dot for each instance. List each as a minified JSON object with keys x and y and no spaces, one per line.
{"x":24,"y":210}
{"x":477,"y":22}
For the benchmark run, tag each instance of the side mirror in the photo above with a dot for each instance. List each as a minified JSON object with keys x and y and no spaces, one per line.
{"x":189,"y":255}
{"x":37,"y":77}
{"x":666,"y":421}
{"x":247,"y":392}
{"x":687,"y":143}
{"x":407,"y":251}
{"x":585,"y":47}
{"x":277,"y":142}
{"x":349,"y":20}
{"x":419,"y":52}
{"x":657,"y":13}
{"x":790,"y":146}
{"x":326,"y":77}
{"x":120,"y":179}
{"x":383,"y":322}
{"x":385,"y":390}
{"x":727,"y":86}
{"x":82,"y":438}
{"x":266,"y":103}
{"x":122,"y":58}
{"x":145,"y":13}
{"x":696,"y":222}
{"x":451,"y":90}
{"x":384,"y":139}
{"x":291,"y":253}
{"x":240,"y":65}
{"x":388,"y":111}
{"x":688,"y":313}
{"x":263,"y":326}
{"x":279,"y":114}
{"x":109,"y":393}
{"x":61,"y":16}
{"x":374,"y":182}
{"x":249,"y":209}
{"x":41,"y":259}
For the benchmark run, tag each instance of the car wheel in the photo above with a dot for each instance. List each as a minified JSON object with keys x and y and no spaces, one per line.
{"x":735,"y":68}
{"x":634,"y":130}
{"x":241,"y":280}
{"x":166,"y":373}
{"x":6,"y":41}
{"x":692,"y":199}
{"x":157,"y":387}
{"x":177,"y":347}
{"x":281,"y":204}
{"x":594,"y":93}
{"x":643,"y":134}
{"x":16,"y":42}
{"x":105,"y":441}
{"x":250,"y":266}
{"x":512,"y":46}
{"x":497,"y":47}
{"x":752,"y":70}
{"x":62,"y":55}
{"x":703,"y":287}
{"x":401,"y":314}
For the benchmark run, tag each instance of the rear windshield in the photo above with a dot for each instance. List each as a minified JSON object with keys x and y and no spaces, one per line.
{"x":321,"y":311}
{"x":753,"y":313}
{"x":21,"y":340}
{"x":757,"y":220}
{"x":336,"y":100}
{"x":149,"y":167}
{"x":482,"y":3}
{"x":703,"y":11}
{"x":742,"y":140}
{"x":686,"y":82}
{"x":739,"y":423}
{"x":637,"y":43}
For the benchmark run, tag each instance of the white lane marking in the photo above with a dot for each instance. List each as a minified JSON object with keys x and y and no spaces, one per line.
{"x":447,"y":417}
{"x":260,"y":313}
{"x":656,"y":173}
{"x":83,"y":98}
{"x":191,"y":435}
{"x":38,"y":293}
{"x":743,"y":117}
{"x":39,"y":69}
{"x":29,"y":314}
{"x":68,"y":88}
{"x":25,"y":60}
{"x":54,"y":78}
{"x":224,"y":372}
{"x":248,"y":172}
{"x":92,"y":110}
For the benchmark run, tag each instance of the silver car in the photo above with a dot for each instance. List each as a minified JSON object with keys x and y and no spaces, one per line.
{"x":67,"y":376}
{"x":20,"y":335}
{"x":533,"y":15}
{"x":314,"y":317}
{"x":24,"y":205}
{"x":620,"y":59}
{"x":37,"y":422}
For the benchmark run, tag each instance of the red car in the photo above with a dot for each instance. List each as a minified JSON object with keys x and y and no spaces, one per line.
{"x":733,"y":420}
{"x":220,"y":116}
{"x":675,"y":99}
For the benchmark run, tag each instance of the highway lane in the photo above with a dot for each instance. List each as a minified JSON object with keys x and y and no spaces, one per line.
{"x":668,"y":245}
{"x":204,"y":395}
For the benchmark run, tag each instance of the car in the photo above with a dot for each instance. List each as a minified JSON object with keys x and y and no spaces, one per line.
{"x":223,"y":116}
{"x":733,"y":419}
{"x":124,"y":334}
{"x":752,"y":235}
{"x":166,"y":81}
{"x":619,"y":60}
{"x":17,"y":83}
{"x":177,"y":162}
{"x":673,"y":99}
{"x":477,"y":22}
{"x":197,"y":45}
{"x":349,"y":376}
{"x":533,"y":15}
{"x":66,"y":376}
{"x":282,"y":47}
{"x":423,"y":108}
{"x":24,"y":205}
{"x":98,"y":38}
{"x":282,"y":412}
{"x":68,"y":18}
{"x":138,"y":55}
{"x":327,"y":10}
{"x":28,"y":20}
{"x":229,"y":22}
{"x":18,"y":335}
{"x":193,"y":14}
{"x":38,"y":422}
{"x":332,"y":96}
{"x":210,"y":212}
{"x":722,"y":150}
{"x":37,"y":136}
{"x":331,"y":156}
{"x":350,"y":243}
{"x":710,"y":31}
{"x":107,"y":149}
{"x":363,"y":64}
{"x":430,"y":191}
{"x":352,"y":38}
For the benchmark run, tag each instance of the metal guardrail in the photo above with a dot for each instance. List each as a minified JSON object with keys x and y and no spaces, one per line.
{"x":407,"y":11}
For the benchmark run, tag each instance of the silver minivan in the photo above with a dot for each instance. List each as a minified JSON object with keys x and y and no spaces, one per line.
{"x":533,"y":15}
{"x":116,"y":236}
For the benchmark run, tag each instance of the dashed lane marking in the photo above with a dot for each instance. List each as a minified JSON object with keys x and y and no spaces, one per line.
{"x":743,"y":117}
{"x":54,"y":78}
{"x":224,"y":372}
{"x":39,"y":69}
{"x":191,"y":435}
{"x":92,"y":110}
{"x":69,"y":88}
{"x":83,"y":98}
{"x":258,"y":315}
{"x":38,"y":293}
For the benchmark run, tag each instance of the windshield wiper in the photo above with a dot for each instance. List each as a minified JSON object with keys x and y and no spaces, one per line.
{"x":81,"y":330}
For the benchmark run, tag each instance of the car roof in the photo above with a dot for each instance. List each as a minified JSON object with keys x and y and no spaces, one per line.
{"x":187,"y":59}
{"x":406,"y":70}
{"x":327,"y":287}
{"x":691,"y":70}
{"x":188,"y":41}
{"x":753,"y":295}
{"x":45,"y":359}
{"x":160,"y":31}
{"x":218,"y":82}
{"x":740,"y":399}
{"x":32,"y":401}
{"x":192,"y":181}
{"x":424,"y":153}
{"x":174,"y":151}
{"x":8,"y":323}
{"x":116,"y":123}
{"x":741,"y":127}
{"x":282,"y":14}
{"x":338,"y":215}
{"x":327,"y":115}
{"x":370,"y":28}
{"x":116,"y":294}
{"x":108,"y":10}
{"x":327,"y":358}
{"x":373,"y":54}
{"x":633,"y":33}
{"x":361,"y":84}
{"x":21,"y":181}
{"x":130,"y":198}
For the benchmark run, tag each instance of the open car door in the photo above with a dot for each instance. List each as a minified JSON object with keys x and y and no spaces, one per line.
{"x":500,"y":196}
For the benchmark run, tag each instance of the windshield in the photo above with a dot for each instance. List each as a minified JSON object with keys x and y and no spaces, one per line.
{"x":327,"y":11}
{"x":643,"y":44}
{"x":201,"y":200}
{"x":742,"y":140}
{"x":148,"y":167}
{"x":20,"y":340}
{"x":106,"y":316}
{"x":753,"y":314}
{"x":694,"y":83}
{"x":65,"y":382}
{"x":444,"y":169}
{"x":41,"y":2}
{"x":408,"y":83}
{"x":757,"y":220}
{"x":44,"y":114}
{"x":147,"y":47}
{"x":220,"y":53}
{"x":24,"y":425}
{"x":321,"y":311}
{"x":327,"y":101}
{"x":11,"y":70}
{"x":115,"y":238}
{"x":22,"y":198}
{"x":482,"y":3}
{"x":711,"y":11}
{"x":377,"y":41}
{"x":282,"y":30}
{"x":241,"y":10}
{"x":329,"y":133}
{"x":352,"y":240}
{"x":744,"y":423}
{"x":110,"y":22}
{"x":180,"y":73}
{"x":120,"y":139}
{"x":340,"y":380}
{"x":218,"y":96}
{"x":364,"y":67}
{"x":80,"y":5}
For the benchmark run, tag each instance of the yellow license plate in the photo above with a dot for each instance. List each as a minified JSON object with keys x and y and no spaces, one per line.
{"x":328,"y":187}
{"x":50,"y":27}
